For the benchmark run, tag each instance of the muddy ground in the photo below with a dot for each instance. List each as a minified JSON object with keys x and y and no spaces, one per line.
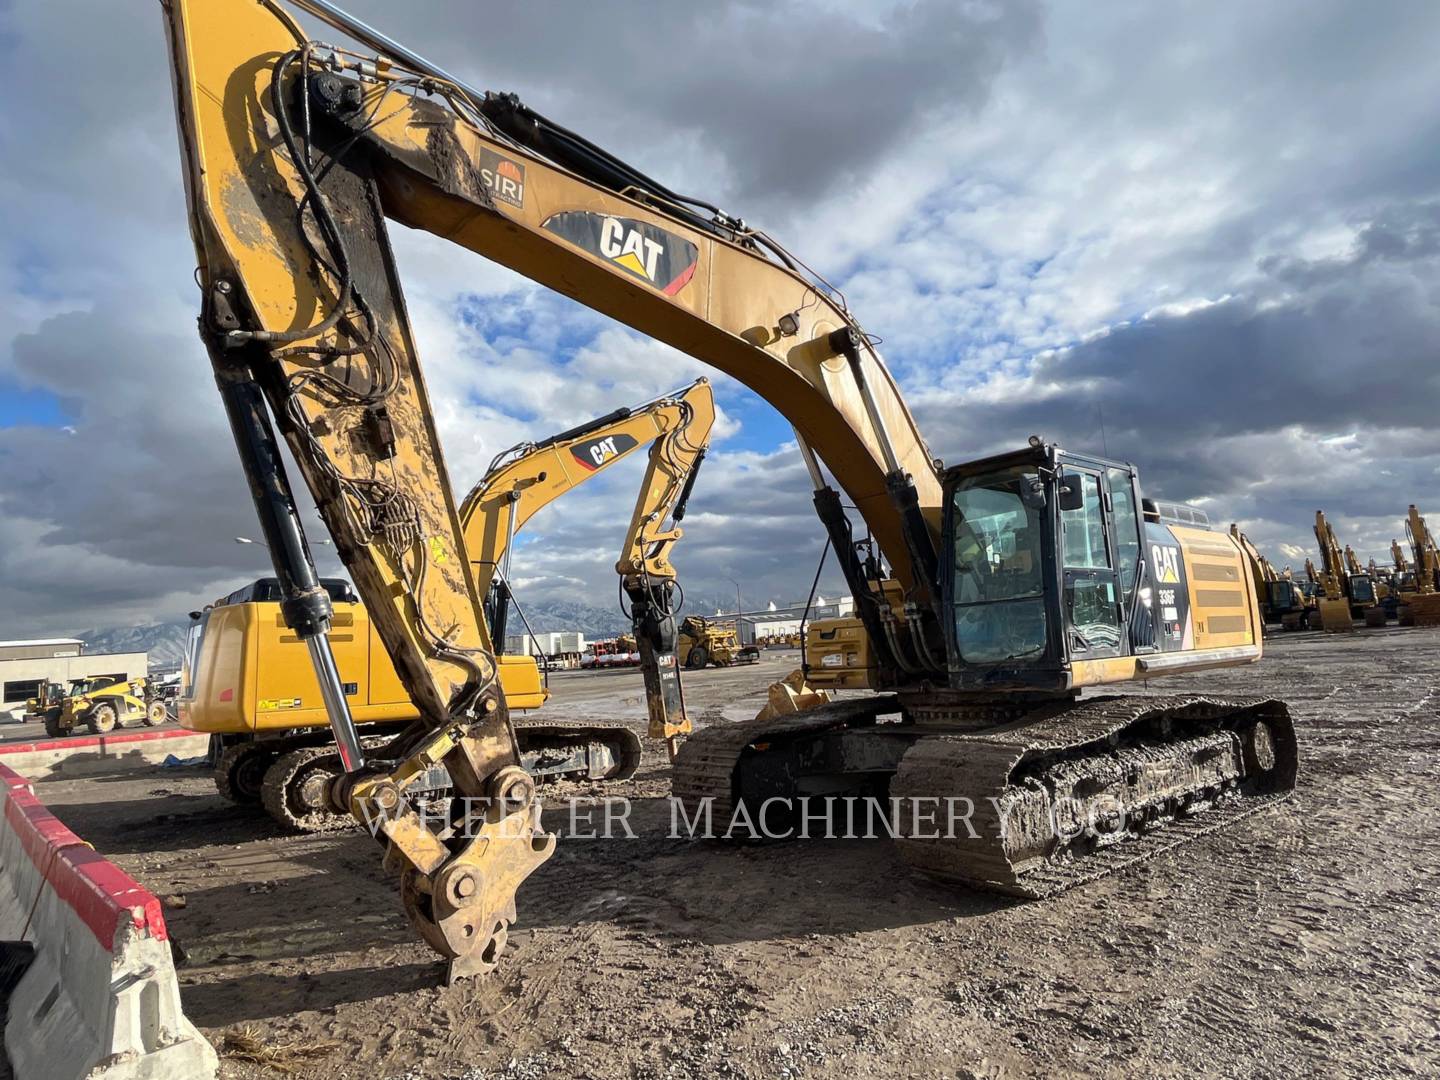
{"x":1305,"y":941}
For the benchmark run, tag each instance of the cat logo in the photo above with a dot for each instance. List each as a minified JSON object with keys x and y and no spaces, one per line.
{"x":503,"y":178}
{"x":597,"y":453}
{"x":657,"y":257}
{"x":1167,"y":564}
{"x":628,"y":247}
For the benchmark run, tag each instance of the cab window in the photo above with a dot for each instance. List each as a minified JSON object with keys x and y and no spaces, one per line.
{"x":1092,"y":608}
{"x":1084,"y":527}
{"x":1127,"y":528}
{"x":999,"y":584}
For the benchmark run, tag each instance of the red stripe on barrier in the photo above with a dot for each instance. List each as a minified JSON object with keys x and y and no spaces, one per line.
{"x":102,"y":894}
{"x":40,"y":831}
{"x":101,"y":741}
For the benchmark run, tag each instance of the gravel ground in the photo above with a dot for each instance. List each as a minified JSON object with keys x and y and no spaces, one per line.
{"x":1304,"y":941}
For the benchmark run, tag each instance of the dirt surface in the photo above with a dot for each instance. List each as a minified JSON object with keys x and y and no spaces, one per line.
{"x":1305,"y":941}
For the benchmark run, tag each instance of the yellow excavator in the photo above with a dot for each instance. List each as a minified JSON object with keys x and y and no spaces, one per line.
{"x":1425,"y":604}
{"x":527,"y":478}
{"x":1349,"y":592}
{"x":1403,"y":575}
{"x":248,"y":682}
{"x":989,"y":593}
{"x":1282,"y":600}
{"x":1379,"y":583}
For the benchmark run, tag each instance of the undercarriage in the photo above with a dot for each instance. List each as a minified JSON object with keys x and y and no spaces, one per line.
{"x":290,"y":774}
{"x":1027,"y":804}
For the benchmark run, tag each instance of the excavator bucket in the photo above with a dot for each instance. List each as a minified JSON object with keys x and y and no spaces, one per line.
{"x":792,"y":695}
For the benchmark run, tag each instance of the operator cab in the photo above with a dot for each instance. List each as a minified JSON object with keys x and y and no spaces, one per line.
{"x":1052,"y":561}
{"x":1362,"y":589}
{"x":90,"y":684}
{"x":1284,"y":596}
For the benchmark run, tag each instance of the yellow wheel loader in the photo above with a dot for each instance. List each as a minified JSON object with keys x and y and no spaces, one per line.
{"x":99,"y":705}
{"x":988,"y":593}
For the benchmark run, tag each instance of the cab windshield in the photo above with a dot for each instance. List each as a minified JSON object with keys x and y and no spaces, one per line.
{"x":999,"y":584}
{"x":1282,"y":595}
{"x":1362,"y":589}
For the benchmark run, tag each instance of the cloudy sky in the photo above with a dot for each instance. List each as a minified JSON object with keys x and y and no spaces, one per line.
{"x":1203,"y":236}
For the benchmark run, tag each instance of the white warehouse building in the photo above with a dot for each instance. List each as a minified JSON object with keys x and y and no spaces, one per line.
{"x":779,"y":622}
{"x":551,"y":643}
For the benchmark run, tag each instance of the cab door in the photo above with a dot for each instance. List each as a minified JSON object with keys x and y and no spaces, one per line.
{"x":1092,"y":602}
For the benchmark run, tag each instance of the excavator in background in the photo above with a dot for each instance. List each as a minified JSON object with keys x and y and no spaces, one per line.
{"x":1349,"y":593}
{"x":1425,"y":604}
{"x":1282,"y":600}
{"x":529,"y":477}
{"x":1402,"y":569}
{"x":248,"y":682}
{"x":1380,"y":583}
{"x":1402,"y":575}
{"x":989,"y":593}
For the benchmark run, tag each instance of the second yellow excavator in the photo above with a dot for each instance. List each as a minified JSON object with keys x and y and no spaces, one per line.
{"x":1349,"y":591}
{"x":1282,"y":600}
{"x":1425,"y":604}
{"x":248,"y":682}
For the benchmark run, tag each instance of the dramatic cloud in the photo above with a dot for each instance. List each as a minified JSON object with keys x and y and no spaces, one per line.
{"x":1201,"y":237}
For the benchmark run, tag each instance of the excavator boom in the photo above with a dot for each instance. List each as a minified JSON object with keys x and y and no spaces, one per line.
{"x":531,"y":476}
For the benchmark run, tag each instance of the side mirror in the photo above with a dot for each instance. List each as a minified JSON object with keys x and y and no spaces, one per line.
{"x":1072,"y":491}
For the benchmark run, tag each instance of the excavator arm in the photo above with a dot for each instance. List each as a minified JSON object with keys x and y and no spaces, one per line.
{"x":1260,"y":568}
{"x":1427,"y":555}
{"x":529,"y":477}
{"x":1397,"y":554}
{"x":1352,"y":561}
{"x":295,"y":153}
{"x":1332,"y":561}
{"x":491,"y":175}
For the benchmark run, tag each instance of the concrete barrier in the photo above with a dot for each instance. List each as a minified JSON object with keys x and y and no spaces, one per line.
{"x":100,"y":1001}
{"x":59,"y":759}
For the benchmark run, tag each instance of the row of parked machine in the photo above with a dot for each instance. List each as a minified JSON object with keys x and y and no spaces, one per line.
{"x":1341,"y":590}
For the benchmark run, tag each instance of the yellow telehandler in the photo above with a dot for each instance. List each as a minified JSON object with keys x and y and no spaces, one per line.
{"x":100,"y":705}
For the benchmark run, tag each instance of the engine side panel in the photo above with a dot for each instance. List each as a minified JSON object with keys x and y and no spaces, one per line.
{"x":254,"y":674}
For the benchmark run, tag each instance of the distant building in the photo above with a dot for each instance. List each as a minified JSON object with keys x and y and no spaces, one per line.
{"x":780,"y":621}
{"x":562,"y":646}
{"x":26,"y":665}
